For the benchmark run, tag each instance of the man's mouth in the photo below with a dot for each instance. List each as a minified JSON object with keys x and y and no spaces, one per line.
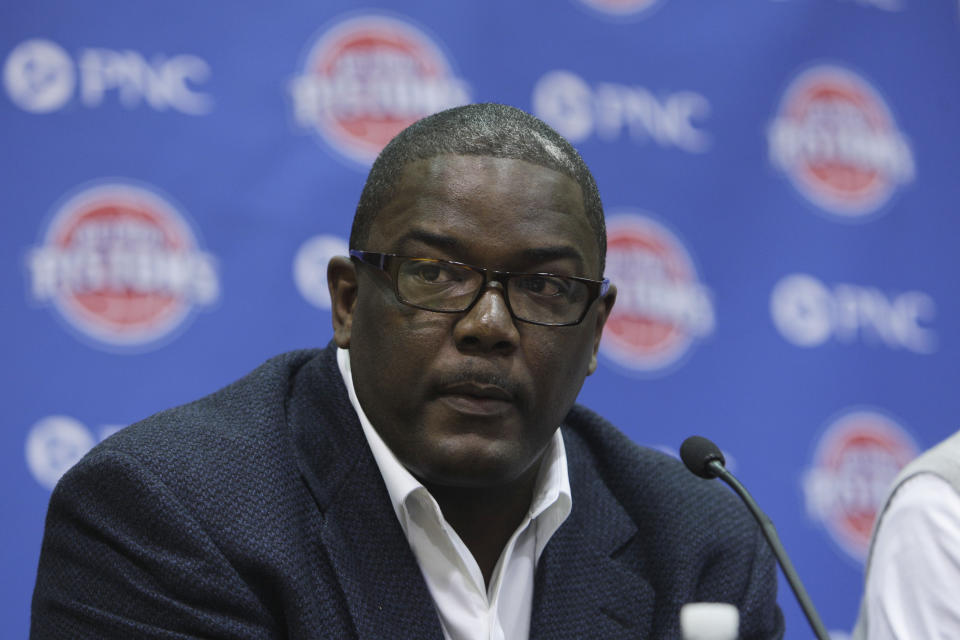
{"x":477,"y":398}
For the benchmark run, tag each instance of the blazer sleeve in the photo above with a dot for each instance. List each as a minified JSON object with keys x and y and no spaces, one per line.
{"x":123,"y":558}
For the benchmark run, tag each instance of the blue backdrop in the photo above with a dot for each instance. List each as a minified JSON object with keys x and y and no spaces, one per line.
{"x":779,"y":178}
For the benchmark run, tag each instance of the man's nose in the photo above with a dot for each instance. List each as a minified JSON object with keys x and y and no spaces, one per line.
{"x":488,"y":325}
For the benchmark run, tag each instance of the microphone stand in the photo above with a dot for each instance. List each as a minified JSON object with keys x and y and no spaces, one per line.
{"x":770,"y":533}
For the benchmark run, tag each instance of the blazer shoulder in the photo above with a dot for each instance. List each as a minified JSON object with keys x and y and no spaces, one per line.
{"x":239,"y":430}
{"x":694,"y":540}
{"x":652,"y":486}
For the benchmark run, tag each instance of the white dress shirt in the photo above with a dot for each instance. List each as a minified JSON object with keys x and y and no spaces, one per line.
{"x":468,"y":610}
{"x":913,"y":586}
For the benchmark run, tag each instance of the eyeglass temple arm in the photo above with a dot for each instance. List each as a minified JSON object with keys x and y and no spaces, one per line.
{"x":376,"y":259}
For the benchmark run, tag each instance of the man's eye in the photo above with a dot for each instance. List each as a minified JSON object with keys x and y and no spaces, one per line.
{"x":434,"y":273}
{"x":543,"y":285}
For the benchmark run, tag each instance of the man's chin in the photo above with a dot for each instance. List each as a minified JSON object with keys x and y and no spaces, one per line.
{"x":472,"y":467}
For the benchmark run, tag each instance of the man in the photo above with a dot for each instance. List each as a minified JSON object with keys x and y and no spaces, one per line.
{"x":410,"y":481}
{"x":913,"y":568}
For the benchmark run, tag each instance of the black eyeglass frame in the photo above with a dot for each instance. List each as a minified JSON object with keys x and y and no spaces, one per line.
{"x":389,"y":263}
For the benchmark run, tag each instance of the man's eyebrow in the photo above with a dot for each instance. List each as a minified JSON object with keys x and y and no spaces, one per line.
{"x":454,"y":246}
{"x":536,"y":255}
{"x":435,"y":240}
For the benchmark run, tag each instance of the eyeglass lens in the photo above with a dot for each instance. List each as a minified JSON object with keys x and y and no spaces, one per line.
{"x":443,"y":286}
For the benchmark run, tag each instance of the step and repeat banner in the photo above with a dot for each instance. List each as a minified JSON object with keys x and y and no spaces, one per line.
{"x":779,"y":176}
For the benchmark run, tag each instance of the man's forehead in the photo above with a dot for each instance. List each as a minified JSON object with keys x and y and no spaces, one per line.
{"x":455,"y":200}
{"x":465,"y":174}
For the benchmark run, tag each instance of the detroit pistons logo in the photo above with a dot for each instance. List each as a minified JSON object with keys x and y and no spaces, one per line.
{"x":121,"y":265}
{"x":856,"y":459}
{"x":835,"y":138}
{"x":365,"y":79}
{"x":621,"y":8}
{"x":662,"y":307}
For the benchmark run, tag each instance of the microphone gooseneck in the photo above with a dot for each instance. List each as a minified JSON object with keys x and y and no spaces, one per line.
{"x":703,"y":458}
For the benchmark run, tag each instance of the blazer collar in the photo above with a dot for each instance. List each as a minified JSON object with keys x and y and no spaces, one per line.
{"x":582,"y":590}
{"x":378,"y":574}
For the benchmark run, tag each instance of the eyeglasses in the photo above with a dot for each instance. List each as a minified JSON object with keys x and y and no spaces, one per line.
{"x":453,"y":287}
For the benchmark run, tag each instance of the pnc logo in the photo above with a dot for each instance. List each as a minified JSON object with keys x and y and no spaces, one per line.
{"x":122,"y":266}
{"x":662,"y":307}
{"x":856,"y":460}
{"x":612,"y":112}
{"x":809,"y":313}
{"x":838,"y":143}
{"x":368,"y":77}
{"x":41,"y":77}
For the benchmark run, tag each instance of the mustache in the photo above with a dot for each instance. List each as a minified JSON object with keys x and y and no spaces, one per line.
{"x":478,"y":376}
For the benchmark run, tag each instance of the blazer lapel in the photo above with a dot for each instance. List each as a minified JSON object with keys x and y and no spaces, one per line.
{"x":378,"y":573}
{"x":381,"y":580}
{"x":581,"y":590}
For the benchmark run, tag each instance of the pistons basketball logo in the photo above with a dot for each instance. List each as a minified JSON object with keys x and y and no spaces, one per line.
{"x":838,"y":142}
{"x":662,"y":308}
{"x":621,"y":7}
{"x":121,"y":264}
{"x":367,"y":78}
{"x":856,"y":460}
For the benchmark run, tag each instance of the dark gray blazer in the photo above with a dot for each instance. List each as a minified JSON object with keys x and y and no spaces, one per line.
{"x":259,"y":512}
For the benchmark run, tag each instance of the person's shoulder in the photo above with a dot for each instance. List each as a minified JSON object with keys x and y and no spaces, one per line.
{"x":243,"y":422}
{"x":207,"y":491}
{"x":650,"y":484}
{"x":691,"y":539}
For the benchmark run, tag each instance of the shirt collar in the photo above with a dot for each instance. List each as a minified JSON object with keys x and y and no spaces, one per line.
{"x":552,"y":499}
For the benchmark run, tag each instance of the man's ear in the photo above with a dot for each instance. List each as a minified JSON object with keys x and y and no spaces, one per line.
{"x":342,"y":281}
{"x":604,"y":307}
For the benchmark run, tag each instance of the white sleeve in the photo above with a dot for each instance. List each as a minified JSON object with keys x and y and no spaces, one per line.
{"x":913,"y":588}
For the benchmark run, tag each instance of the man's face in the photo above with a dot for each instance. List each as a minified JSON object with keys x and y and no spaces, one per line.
{"x":470,"y":399}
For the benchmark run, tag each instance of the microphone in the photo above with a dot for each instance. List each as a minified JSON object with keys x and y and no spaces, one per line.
{"x":703,"y":458}
{"x":697,"y":453}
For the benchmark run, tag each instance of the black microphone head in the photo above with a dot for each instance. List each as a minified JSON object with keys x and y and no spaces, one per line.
{"x":697,"y":453}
